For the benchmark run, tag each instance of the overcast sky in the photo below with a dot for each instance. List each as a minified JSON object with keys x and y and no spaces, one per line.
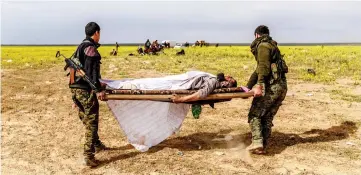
{"x":63,"y":22}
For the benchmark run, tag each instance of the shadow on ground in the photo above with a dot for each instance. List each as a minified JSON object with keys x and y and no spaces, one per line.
{"x":278,"y":143}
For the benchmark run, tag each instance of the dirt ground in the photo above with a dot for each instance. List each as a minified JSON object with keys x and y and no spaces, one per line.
{"x":313,"y":134}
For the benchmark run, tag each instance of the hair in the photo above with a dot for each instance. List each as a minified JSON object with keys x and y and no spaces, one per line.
{"x":231,"y":81}
{"x":91,"y":28}
{"x":261,"y":30}
{"x":220,"y":77}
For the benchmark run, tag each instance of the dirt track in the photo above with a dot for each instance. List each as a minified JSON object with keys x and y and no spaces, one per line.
{"x":313,"y":134}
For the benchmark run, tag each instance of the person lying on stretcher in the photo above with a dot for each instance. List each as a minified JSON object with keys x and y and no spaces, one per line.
{"x":205,"y":85}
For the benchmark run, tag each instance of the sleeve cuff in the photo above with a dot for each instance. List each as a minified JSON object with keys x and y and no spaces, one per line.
{"x":97,"y":89}
{"x":202,"y":93}
{"x":260,"y":81}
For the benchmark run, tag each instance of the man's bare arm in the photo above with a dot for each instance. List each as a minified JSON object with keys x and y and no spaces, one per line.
{"x":207,"y":89}
{"x":194,"y":97}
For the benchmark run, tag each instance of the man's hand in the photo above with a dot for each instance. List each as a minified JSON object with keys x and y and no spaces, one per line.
{"x":257,"y":90}
{"x":101,"y":96}
{"x":103,"y":85}
{"x":74,"y":106}
{"x":177,"y":99}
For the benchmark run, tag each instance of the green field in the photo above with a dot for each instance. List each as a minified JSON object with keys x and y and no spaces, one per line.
{"x":329,"y":62}
{"x":316,"y":131}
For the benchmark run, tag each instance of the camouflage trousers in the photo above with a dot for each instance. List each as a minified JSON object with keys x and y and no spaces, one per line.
{"x":88,"y":105}
{"x":263,"y":110}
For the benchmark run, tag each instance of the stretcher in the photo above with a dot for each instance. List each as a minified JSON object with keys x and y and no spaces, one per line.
{"x":218,"y":95}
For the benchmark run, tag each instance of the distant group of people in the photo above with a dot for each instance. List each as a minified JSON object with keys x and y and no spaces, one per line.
{"x":166,"y":44}
{"x":154,"y":47}
{"x":150,"y":48}
{"x":201,"y":43}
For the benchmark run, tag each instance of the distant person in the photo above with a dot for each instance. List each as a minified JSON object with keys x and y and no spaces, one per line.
{"x":196,"y":43}
{"x":140,"y":50}
{"x":116,"y":47}
{"x":155,"y":47}
{"x":147,"y":45}
{"x":181,"y":52}
{"x":202,"y":43}
{"x":217,"y":45}
{"x":113,"y":53}
{"x":85,"y":97}
{"x":164,"y":43}
{"x":269,"y":86}
{"x":155,"y":43}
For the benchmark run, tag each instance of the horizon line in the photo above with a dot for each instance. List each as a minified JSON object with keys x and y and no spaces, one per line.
{"x":210,"y":44}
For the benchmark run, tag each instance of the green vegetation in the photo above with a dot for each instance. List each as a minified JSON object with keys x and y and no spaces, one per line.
{"x":345,"y":94}
{"x":329,"y":62}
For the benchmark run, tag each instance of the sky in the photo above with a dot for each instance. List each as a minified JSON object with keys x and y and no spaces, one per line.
{"x":63,"y":22}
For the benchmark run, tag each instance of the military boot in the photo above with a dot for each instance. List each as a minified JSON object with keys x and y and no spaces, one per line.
{"x":257,"y":140}
{"x":100,"y":147}
{"x":91,"y":162}
{"x":256,"y":148}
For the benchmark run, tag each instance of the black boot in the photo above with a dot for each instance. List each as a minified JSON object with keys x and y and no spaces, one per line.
{"x":91,"y":161}
{"x":100,"y":147}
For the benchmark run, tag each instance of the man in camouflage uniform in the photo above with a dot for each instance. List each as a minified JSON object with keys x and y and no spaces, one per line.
{"x":86,"y":98}
{"x":269,"y":86}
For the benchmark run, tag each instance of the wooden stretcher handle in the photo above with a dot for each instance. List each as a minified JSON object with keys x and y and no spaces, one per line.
{"x":168,"y":98}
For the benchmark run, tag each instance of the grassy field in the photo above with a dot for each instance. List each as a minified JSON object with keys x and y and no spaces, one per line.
{"x":316,"y":131}
{"x":329,"y":62}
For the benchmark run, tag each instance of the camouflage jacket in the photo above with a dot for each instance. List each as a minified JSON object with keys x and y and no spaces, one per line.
{"x":263,"y":50}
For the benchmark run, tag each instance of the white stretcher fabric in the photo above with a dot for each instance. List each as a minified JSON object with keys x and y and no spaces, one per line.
{"x":147,"y":123}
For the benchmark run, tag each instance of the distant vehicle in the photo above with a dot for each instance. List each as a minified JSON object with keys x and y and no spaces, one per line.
{"x":179,"y":46}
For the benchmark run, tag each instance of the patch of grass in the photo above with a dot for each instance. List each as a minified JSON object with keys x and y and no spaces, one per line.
{"x":344,"y":95}
{"x":32,"y":56}
{"x":43,"y":56}
{"x":352,"y":154}
{"x":329,"y":62}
